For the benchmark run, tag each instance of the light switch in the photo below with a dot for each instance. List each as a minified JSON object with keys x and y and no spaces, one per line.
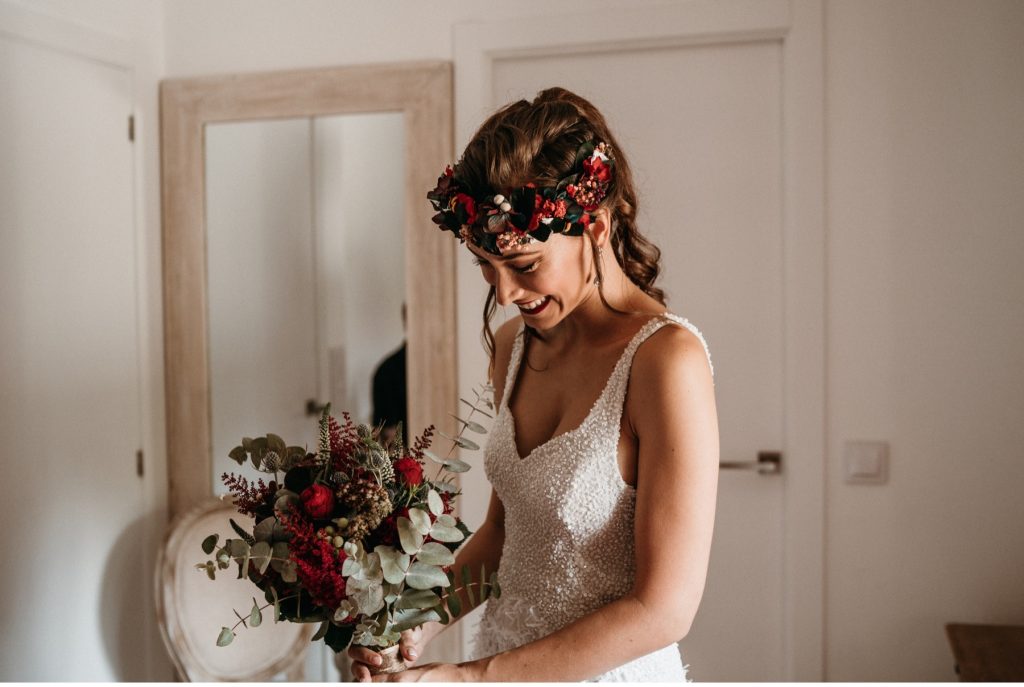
{"x":866,"y":462}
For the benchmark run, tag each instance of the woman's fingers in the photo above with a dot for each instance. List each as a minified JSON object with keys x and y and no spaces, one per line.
{"x":364,"y":655}
{"x":409,"y":644}
{"x":360,"y":673}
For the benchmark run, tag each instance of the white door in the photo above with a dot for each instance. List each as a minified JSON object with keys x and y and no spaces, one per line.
{"x":703,"y":121}
{"x":74,"y":600}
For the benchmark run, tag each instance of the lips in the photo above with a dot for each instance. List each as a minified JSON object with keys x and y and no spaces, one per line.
{"x":533,"y":311}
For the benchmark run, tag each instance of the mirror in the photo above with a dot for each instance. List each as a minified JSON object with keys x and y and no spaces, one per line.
{"x":305,"y":277}
{"x":295,"y":227}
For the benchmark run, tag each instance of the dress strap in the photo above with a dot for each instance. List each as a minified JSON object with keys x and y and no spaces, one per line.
{"x":513,"y":363}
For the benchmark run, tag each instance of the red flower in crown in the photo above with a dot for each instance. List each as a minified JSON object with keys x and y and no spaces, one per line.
{"x":595,"y":168}
{"x":468,"y":206}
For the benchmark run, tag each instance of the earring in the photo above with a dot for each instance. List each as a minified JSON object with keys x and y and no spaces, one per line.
{"x":597,"y":277}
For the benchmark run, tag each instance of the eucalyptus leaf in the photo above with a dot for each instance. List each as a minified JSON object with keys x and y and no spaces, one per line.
{"x":417,"y":598}
{"x":467,"y":584}
{"x":434,"y":553}
{"x":470,"y":425}
{"x":434,"y":457}
{"x":446,"y":520}
{"x":446,"y":487}
{"x":484,"y":587}
{"x":260,"y":555}
{"x":322,"y":632}
{"x":255,"y":615}
{"x":454,"y":604}
{"x":289,"y":572}
{"x":276,"y":443}
{"x":461,"y":441}
{"x":368,"y":596}
{"x":456,"y":465}
{"x":420,"y":520}
{"x":350,"y":567}
{"x":210,"y":543}
{"x":446,"y":534}
{"x":344,"y":610}
{"x":434,"y":502}
{"x":393,"y":563}
{"x":238,"y":454}
{"x":264,"y":531}
{"x":279,"y":555}
{"x":209,"y":571}
{"x":495,"y":588}
{"x":423,"y":576}
{"x":225,"y":637}
{"x":237,"y":548}
{"x":408,"y":536}
{"x":410,"y":618}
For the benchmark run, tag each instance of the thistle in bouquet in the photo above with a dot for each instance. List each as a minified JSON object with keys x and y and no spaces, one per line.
{"x":355,"y":536}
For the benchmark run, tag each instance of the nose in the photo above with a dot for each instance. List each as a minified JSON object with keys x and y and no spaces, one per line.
{"x":505,"y":288}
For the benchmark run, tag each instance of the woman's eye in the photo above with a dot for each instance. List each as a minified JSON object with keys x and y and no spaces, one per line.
{"x":529,"y":268}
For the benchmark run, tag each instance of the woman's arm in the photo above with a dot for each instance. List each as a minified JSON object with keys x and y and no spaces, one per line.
{"x":675,"y":420}
{"x":483,"y":548}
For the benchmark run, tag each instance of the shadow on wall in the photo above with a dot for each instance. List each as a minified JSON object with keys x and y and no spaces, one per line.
{"x":122,"y":606}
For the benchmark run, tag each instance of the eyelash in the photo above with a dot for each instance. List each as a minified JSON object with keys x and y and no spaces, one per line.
{"x":522,"y":270}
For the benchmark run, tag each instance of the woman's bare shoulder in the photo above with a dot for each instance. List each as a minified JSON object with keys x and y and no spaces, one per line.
{"x":670,"y":347}
{"x":669,"y":362}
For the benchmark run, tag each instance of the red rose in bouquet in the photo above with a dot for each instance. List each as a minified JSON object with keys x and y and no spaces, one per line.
{"x":411,"y":471}
{"x":318,"y":500}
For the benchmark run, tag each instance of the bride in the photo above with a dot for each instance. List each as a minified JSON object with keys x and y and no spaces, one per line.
{"x":603,"y":456}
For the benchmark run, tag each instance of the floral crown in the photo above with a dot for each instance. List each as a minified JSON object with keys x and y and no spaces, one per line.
{"x":530,"y":213}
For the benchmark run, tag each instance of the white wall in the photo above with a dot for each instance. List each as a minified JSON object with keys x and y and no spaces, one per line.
{"x":924,"y":160}
{"x":925,"y":165}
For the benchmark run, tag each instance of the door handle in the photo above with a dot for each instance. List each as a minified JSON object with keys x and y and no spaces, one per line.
{"x":767,"y":463}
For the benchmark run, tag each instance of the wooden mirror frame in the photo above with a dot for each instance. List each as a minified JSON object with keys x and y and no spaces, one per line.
{"x":420,"y":90}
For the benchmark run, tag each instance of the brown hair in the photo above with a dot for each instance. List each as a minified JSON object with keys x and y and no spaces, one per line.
{"x":524,"y":142}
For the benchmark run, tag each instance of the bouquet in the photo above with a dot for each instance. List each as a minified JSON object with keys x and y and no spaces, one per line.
{"x":354,"y":537}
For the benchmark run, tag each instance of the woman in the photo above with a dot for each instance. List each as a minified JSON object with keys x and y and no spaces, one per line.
{"x":603,"y":456}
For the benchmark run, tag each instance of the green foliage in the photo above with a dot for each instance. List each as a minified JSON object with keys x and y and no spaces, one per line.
{"x":225,"y":636}
{"x":210,"y":543}
{"x":255,"y":615}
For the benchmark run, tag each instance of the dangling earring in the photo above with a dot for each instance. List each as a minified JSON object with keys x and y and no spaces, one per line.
{"x":600,"y":255}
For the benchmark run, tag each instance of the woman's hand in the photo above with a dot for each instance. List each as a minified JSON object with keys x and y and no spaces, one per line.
{"x":434,"y":672}
{"x":411,"y":647}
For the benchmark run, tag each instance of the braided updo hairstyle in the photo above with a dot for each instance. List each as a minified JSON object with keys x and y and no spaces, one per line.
{"x":537,"y":141}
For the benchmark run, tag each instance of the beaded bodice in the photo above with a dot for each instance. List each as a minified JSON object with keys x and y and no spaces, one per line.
{"x":568,"y":522}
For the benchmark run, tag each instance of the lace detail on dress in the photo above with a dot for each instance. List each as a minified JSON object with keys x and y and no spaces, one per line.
{"x":569,"y":545}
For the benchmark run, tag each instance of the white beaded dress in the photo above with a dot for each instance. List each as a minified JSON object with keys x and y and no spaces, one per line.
{"x":566,"y":509}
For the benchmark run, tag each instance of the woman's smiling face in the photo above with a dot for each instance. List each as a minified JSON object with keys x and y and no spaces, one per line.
{"x":547,"y":275}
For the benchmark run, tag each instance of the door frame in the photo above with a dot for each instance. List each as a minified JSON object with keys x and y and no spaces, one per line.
{"x":798,"y":25}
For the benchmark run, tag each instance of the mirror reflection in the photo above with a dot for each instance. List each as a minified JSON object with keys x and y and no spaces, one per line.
{"x":306,"y":279}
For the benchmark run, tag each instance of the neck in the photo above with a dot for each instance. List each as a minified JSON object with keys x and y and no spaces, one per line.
{"x":592,"y":322}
